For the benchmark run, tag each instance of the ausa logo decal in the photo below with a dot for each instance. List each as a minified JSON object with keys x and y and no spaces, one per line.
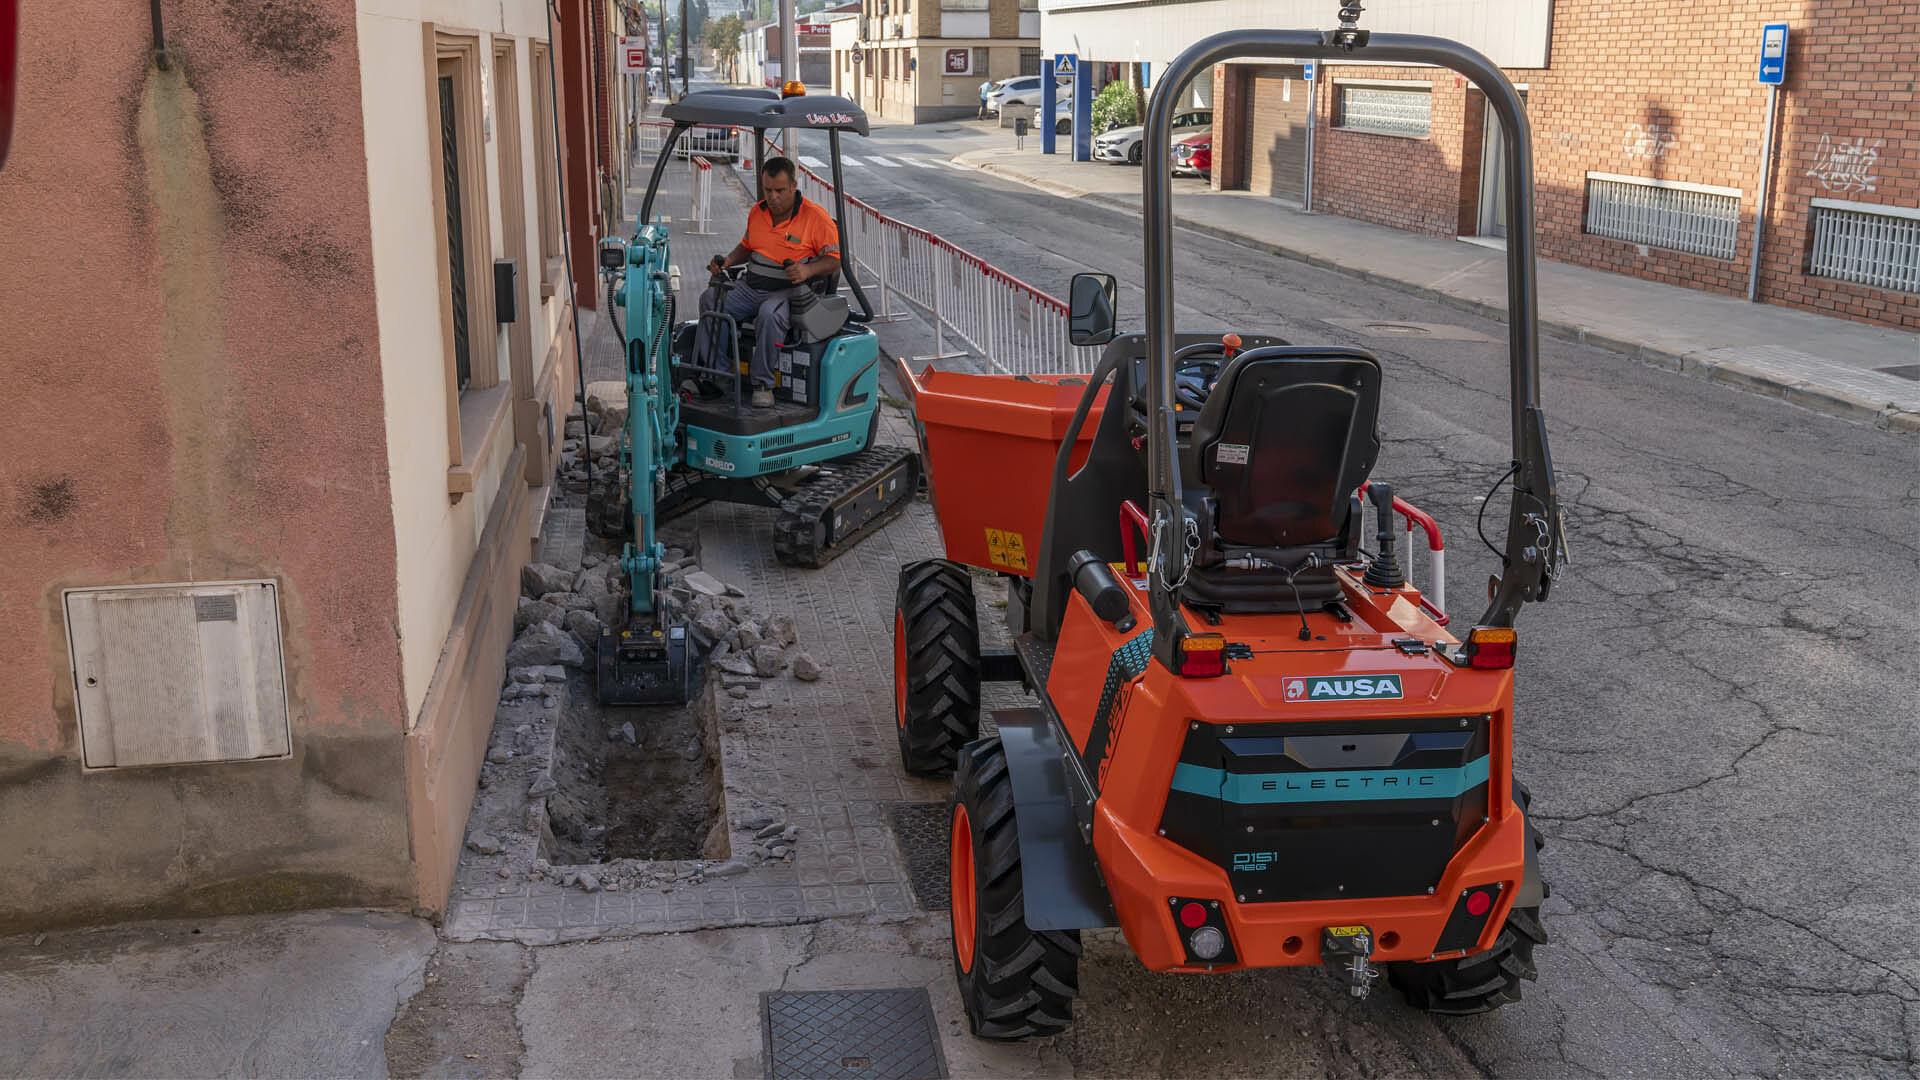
{"x":1357,"y":687}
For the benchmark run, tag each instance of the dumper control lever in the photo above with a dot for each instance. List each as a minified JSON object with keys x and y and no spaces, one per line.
{"x":1384,"y":571}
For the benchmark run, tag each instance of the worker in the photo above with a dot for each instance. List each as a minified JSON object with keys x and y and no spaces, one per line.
{"x":986,"y":88}
{"x":789,"y":242}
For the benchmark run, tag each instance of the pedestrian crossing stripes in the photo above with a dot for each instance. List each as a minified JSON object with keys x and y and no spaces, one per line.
{"x":812,"y":162}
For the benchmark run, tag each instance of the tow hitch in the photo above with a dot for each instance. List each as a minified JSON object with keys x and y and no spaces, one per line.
{"x":1347,"y":952}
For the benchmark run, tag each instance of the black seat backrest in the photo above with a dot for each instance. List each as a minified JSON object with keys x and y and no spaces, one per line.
{"x":1286,"y":436}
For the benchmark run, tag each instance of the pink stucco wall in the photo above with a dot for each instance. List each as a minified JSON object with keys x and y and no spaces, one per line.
{"x":193,"y":380}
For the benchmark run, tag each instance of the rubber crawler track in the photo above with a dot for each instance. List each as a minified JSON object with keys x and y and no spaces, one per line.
{"x":798,"y":531}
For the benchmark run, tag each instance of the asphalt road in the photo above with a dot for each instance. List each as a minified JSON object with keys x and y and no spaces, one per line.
{"x":1715,"y":711}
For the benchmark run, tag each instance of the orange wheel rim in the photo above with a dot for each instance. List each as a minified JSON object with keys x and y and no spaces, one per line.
{"x":960,"y":885}
{"x":900,"y":669}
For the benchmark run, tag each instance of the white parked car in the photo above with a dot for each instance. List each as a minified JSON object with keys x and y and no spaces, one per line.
{"x":1029,"y":90}
{"x":1123,"y":144}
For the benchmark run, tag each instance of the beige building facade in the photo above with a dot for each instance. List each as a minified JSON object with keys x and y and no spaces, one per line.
{"x":924,"y":60}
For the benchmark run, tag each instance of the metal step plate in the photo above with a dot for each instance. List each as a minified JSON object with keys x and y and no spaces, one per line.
{"x":851,"y":1035}
{"x":921,"y":829}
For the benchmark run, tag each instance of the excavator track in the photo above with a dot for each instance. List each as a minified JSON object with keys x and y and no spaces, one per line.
{"x":843,"y":503}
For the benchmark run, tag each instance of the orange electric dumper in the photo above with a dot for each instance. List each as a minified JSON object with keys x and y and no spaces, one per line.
{"x":992,"y":441}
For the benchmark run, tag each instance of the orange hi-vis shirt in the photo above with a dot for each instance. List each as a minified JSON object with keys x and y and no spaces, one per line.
{"x":809,"y":232}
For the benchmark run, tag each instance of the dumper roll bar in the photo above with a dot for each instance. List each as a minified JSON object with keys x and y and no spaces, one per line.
{"x":1534,"y":527}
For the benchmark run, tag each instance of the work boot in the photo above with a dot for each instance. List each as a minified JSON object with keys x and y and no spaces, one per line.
{"x":762,"y":397}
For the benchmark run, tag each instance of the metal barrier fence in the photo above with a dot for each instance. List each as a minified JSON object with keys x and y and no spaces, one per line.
{"x":700,"y":173}
{"x":1012,"y":326}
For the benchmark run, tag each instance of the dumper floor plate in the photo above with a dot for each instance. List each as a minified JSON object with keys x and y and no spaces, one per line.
{"x":921,"y":829}
{"x":851,"y":1035}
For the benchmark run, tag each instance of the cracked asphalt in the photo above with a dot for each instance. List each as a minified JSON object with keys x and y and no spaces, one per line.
{"x":1715,"y":709}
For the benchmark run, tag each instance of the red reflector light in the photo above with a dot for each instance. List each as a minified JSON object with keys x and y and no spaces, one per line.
{"x":1192,"y":915}
{"x":1491,"y":647}
{"x":1203,"y":656}
{"x":1479,"y":903}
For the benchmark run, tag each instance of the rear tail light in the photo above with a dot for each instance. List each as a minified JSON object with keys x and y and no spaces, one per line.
{"x":1203,"y":656}
{"x":1469,"y":919}
{"x":1491,"y":647}
{"x":1202,"y":927}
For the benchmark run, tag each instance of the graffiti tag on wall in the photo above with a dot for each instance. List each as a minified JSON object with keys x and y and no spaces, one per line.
{"x":1647,"y":141}
{"x":1847,"y":165}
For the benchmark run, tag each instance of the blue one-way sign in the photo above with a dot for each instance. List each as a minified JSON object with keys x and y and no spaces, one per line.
{"x":1773,"y":53}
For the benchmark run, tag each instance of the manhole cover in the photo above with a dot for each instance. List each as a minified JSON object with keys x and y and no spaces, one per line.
{"x":921,"y":829}
{"x":835,"y":1034}
{"x":1903,"y":371}
{"x":1427,"y":331}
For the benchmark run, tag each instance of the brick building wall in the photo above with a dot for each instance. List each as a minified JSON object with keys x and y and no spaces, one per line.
{"x":1399,"y":180}
{"x":1649,"y":89}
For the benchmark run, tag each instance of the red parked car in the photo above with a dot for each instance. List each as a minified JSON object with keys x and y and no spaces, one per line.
{"x":1194,"y":157}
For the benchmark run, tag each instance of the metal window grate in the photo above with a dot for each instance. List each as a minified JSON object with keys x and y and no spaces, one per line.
{"x":1647,"y":212}
{"x":1386,"y":111}
{"x":1881,"y":250}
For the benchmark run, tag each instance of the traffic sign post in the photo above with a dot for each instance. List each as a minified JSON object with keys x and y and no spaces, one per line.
{"x":1773,"y":54}
{"x":1773,"y":72}
{"x":1306,"y":195}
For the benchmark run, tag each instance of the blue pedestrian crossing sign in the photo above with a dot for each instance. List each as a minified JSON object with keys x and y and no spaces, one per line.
{"x":1063,"y":64}
{"x":1773,"y":54}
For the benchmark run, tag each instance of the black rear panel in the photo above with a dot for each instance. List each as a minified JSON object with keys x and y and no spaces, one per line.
{"x":1336,"y":809}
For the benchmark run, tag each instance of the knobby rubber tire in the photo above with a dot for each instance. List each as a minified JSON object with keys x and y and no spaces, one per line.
{"x":939,"y":711}
{"x":1480,"y":982}
{"x":1020,"y":982}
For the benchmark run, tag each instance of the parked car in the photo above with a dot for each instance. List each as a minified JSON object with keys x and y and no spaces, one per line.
{"x":1123,"y":144}
{"x":1027,"y":90}
{"x":1194,"y":156}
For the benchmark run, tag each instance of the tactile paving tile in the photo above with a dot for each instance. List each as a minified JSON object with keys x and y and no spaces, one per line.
{"x":921,"y":829}
{"x":851,"y":1035}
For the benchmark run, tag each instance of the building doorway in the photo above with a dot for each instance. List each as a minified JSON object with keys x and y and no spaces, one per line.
{"x":1493,"y":174}
{"x":1276,"y":146}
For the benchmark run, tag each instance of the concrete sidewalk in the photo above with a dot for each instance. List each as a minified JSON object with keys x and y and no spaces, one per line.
{"x":1865,"y":373}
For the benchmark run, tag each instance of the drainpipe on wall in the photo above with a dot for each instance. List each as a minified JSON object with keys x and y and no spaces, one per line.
{"x":160,"y":56}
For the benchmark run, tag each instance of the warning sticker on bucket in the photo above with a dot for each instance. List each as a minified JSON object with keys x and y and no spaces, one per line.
{"x":1007,"y":548}
{"x":1230,"y":453}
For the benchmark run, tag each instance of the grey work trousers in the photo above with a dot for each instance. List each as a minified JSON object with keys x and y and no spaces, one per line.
{"x":771,"y":318}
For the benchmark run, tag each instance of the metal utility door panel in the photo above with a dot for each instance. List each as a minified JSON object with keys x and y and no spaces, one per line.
{"x":178,"y":674}
{"x":1277,"y":99}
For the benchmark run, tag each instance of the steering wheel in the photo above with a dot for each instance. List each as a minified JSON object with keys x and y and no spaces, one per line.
{"x":1195,"y":369}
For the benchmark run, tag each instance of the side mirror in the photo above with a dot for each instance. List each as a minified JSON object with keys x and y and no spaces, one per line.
{"x":1090,"y":300}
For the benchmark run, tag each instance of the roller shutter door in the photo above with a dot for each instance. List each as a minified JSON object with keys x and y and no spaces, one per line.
{"x":1277,"y":132}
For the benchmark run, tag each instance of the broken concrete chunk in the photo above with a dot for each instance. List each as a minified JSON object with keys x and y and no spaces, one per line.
{"x":806,"y":669}
{"x":610,"y":609}
{"x":545,"y":785}
{"x":539,"y":579}
{"x":588,"y":881}
{"x":500,"y":755}
{"x":747,"y":635}
{"x":545,"y":644}
{"x":705,"y":584}
{"x":567,"y":601}
{"x":526,"y":674}
{"x":631,"y":736}
{"x":536,"y":611}
{"x":772,"y":828}
{"x":727,"y":869}
{"x":767,"y":661}
{"x":481,"y":843}
{"x":780,"y":630}
{"x":584,"y":625}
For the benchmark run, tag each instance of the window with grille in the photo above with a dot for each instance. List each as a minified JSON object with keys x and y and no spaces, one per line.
{"x":1867,"y":244}
{"x":1694,"y":218}
{"x":1383,"y":110}
{"x":963,"y":5}
{"x":1029,"y":61}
